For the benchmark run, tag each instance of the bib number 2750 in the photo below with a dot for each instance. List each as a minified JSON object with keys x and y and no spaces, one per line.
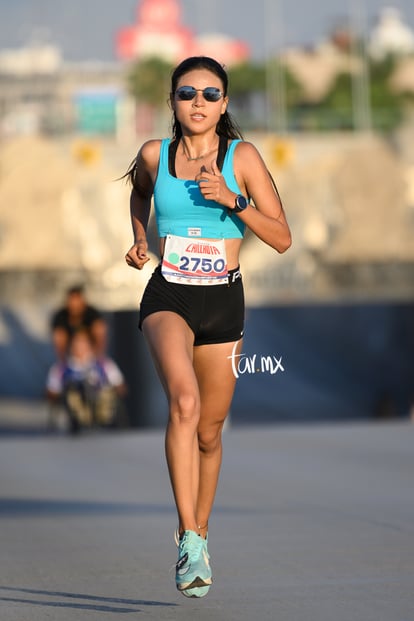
{"x":201,"y":262}
{"x":206,"y":265}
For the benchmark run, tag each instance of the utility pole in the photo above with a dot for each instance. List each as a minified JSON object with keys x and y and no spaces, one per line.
{"x":276,"y":118}
{"x":361,"y":96}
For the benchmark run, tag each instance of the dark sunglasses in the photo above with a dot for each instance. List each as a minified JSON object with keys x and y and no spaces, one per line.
{"x":187,"y":93}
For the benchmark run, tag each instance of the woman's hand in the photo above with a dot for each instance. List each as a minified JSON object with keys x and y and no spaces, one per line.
{"x":137,"y":255}
{"x":213,"y":186}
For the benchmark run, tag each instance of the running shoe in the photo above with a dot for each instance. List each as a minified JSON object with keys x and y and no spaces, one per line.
{"x":193,"y":572}
{"x":196,"y":591}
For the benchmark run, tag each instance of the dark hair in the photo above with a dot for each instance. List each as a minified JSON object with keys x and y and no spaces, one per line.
{"x":78,"y":289}
{"x":226,"y":126}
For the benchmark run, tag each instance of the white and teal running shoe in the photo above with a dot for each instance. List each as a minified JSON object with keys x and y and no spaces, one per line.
{"x":193,"y":573}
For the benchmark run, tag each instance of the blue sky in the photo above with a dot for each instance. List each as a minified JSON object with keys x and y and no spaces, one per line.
{"x":85,"y":29}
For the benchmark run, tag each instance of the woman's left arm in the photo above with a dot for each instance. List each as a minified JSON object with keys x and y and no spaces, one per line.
{"x":267,"y":218}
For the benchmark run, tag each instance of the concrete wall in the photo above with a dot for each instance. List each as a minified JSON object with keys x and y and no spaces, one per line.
{"x":342,"y":361}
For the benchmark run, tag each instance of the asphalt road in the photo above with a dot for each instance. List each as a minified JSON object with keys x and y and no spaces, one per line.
{"x":311,"y":523}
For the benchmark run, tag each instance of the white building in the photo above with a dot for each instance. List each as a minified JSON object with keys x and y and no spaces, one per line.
{"x":31,"y":60}
{"x":390,"y":35}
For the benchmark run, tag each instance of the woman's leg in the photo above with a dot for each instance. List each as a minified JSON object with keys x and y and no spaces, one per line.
{"x":171,"y":343}
{"x":216,"y":384}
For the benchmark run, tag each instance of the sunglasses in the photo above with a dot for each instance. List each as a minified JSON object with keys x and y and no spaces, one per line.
{"x":187,"y":93}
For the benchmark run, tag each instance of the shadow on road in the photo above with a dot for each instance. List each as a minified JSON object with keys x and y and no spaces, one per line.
{"x":35,"y":507}
{"x":101,"y":605}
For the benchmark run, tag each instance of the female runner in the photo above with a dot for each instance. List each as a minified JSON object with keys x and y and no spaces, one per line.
{"x":208,"y":185}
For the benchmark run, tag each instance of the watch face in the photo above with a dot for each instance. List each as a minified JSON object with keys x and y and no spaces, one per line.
{"x":241,"y":202}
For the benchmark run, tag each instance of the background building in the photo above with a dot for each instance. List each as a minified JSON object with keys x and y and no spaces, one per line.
{"x":391,"y":35}
{"x":159,"y":31}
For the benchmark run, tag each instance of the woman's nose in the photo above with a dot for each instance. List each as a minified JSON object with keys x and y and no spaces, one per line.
{"x":198,"y":99}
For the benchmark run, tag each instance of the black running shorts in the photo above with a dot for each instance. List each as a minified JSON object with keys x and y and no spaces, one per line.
{"x":215,"y":313}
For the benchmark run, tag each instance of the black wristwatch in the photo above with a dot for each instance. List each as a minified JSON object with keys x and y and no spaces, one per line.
{"x":240,"y":203}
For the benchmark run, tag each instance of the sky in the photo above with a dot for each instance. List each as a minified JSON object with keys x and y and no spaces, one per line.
{"x":85,"y":29}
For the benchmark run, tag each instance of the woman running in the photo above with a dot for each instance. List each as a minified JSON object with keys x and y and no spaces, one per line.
{"x":208,"y":185}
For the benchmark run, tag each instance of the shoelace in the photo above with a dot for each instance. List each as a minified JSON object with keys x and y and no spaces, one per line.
{"x":193,"y":550}
{"x":177,"y":541}
{"x":177,"y":537}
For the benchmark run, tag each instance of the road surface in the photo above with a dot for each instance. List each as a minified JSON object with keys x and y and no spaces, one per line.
{"x":311,"y":523}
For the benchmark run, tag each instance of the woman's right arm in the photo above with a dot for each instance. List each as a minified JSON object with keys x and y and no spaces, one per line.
{"x":140,"y":201}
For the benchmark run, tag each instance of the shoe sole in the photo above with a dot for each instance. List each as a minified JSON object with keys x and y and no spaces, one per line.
{"x":197,"y":592}
{"x":197,"y":582}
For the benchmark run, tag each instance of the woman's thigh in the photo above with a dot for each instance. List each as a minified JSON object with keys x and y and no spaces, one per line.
{"x":216,"y":380}
{"x":171,"y":344}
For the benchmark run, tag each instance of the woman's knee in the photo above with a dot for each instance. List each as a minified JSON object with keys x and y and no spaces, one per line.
{"x":185,"y":407}
{"x":209,"y":439}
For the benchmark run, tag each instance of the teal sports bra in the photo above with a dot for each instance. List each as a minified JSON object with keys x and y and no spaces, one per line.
{"x":181,"y":209}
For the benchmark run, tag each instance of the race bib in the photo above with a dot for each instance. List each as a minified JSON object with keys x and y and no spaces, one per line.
{"x":194,"y":261}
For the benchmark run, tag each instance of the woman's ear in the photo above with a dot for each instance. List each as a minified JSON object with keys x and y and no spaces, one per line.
{"x":171,"y":102}
{"x":224,"y":105}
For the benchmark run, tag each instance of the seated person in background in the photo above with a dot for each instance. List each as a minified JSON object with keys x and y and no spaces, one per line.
{"x":74,"y":315}
{"x":88,"y":387}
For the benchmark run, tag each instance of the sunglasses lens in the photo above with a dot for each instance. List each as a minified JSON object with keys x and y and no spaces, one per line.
{"x":211,"y":93}
{"x":186,"y":93}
